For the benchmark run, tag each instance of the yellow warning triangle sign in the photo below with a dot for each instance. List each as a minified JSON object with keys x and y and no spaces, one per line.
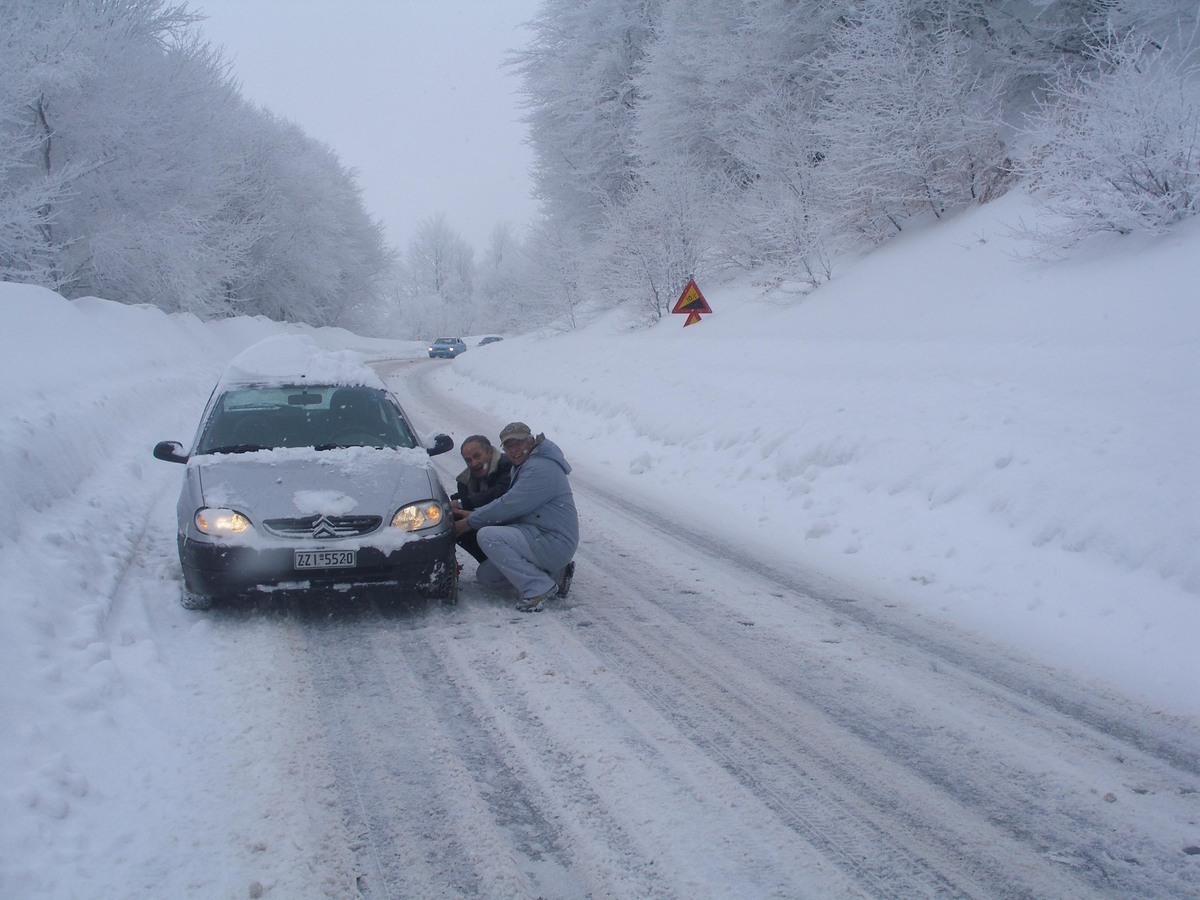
{"x":692,"y":302}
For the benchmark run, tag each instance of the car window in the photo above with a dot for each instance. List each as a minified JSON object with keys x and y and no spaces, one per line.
{"x":322,"y":416}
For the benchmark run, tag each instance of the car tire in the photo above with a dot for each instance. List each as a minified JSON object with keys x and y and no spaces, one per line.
{"x":445,"y":589}
{"x":188,"y":600}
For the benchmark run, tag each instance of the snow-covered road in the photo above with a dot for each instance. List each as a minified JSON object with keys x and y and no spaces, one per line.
{"x":697,"y":720}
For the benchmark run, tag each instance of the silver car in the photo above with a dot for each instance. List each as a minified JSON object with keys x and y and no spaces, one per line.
{"x":306,"y":474}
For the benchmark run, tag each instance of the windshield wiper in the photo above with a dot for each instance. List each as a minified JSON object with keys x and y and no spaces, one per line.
{"x":376,"y":445}
{"x":237,"y":448}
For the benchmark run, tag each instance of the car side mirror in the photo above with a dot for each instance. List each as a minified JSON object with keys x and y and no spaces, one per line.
{"x":170,"y":451}
{"x":442,"y":443}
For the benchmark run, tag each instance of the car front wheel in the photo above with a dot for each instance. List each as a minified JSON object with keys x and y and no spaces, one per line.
{"x":444,"y":588}
{"x":189,"y":600}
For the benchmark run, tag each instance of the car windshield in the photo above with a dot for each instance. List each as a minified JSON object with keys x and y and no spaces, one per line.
{"x":321,"y":416}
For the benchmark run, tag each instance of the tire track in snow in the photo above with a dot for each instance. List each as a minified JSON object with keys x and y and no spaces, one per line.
{"x":443,"y":802}
{"x":641,"y":818}
{"x":563,"y":829}
{"x":834,"y":793}
{"x":387,"y":772}
{"x":960,"y":778}
{"x":1174,"y":743}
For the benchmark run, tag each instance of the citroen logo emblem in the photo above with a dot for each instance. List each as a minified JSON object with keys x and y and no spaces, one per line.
{"x":323,"y":528}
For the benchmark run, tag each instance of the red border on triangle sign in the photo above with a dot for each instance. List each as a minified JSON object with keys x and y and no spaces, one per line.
{"x":692,"y":302}
{"x":692,"y":319}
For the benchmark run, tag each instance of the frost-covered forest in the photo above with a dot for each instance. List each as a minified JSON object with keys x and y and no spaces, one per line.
{"x":685,"y":136}
{"x":671,"y":137}
{"x":131,"y":169}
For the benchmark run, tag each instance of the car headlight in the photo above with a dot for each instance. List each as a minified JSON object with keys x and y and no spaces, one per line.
{"x":419,"y":516}
{"x":221,"y":522}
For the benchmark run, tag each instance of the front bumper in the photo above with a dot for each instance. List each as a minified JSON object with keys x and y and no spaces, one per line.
{"x":213,"y":570}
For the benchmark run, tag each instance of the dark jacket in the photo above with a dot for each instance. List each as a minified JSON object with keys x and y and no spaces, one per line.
{"x":475,"y":492}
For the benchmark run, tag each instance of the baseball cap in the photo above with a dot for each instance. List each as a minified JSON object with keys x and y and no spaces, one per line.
{"x":515,"y":430}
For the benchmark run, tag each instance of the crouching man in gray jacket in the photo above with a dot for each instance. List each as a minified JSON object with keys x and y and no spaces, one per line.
{"x":530,"y":534}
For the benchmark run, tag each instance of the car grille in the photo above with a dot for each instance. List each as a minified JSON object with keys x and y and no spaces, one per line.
{"x":323,"y":526}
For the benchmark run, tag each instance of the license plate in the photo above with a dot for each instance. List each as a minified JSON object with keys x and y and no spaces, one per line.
{"x":326,"y":559}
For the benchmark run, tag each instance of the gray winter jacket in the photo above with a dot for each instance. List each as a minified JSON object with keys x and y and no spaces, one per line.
{"x":540,"y":503}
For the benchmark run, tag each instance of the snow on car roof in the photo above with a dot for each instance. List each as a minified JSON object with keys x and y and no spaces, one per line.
{"x":290,"y":359}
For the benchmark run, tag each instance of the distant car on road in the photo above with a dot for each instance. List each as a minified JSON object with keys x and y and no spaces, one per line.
{"x":305,"y":473}
{"x":447,"y":347}
{"x":490,"y":339}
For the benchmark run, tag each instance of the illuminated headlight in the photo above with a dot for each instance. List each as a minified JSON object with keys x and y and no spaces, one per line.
{"x":419,"y":516}
{"x":221,"y":522}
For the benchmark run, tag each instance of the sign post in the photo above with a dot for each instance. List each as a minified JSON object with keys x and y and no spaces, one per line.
{"x":691,"y":303}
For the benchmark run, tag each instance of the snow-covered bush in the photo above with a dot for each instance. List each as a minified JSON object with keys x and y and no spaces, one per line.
{"x":661,"y":236}
{"x":911,"y":123}
{"x":784,"y":217}
{"x":1116,"y":148}
{"x":558,"y":267}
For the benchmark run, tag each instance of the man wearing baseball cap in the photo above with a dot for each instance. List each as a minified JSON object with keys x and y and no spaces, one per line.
{"x":529,"y":534}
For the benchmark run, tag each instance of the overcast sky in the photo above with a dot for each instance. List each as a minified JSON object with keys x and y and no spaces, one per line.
{"x":410,"y":93}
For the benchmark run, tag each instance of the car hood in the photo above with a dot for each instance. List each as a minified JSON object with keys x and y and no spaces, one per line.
{"x":297,"y":482}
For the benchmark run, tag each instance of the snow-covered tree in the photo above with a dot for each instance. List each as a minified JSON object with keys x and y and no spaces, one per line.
{"x":30,"y":200}
{"x":785,"y":216}
{"x":498,"y":279}
{"x":910,"y":125}
{"x":709,"y":68}
{"x":559,"y":268}
{"x":729,"y":86}
{"x":131,"y":168}
{"x":120,"y":96}
{"x":579,"y":81}
{"x":441,"y":269}
{"x":661,"y":236}
{"x":317,"y":250}
{"x":806,"y":127}
{"x":1118,"y":149}
{"x":693,"y":86}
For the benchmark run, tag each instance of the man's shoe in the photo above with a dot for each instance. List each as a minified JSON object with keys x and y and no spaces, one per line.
{"x":564,"y":583}
{"x":536,"y":604}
